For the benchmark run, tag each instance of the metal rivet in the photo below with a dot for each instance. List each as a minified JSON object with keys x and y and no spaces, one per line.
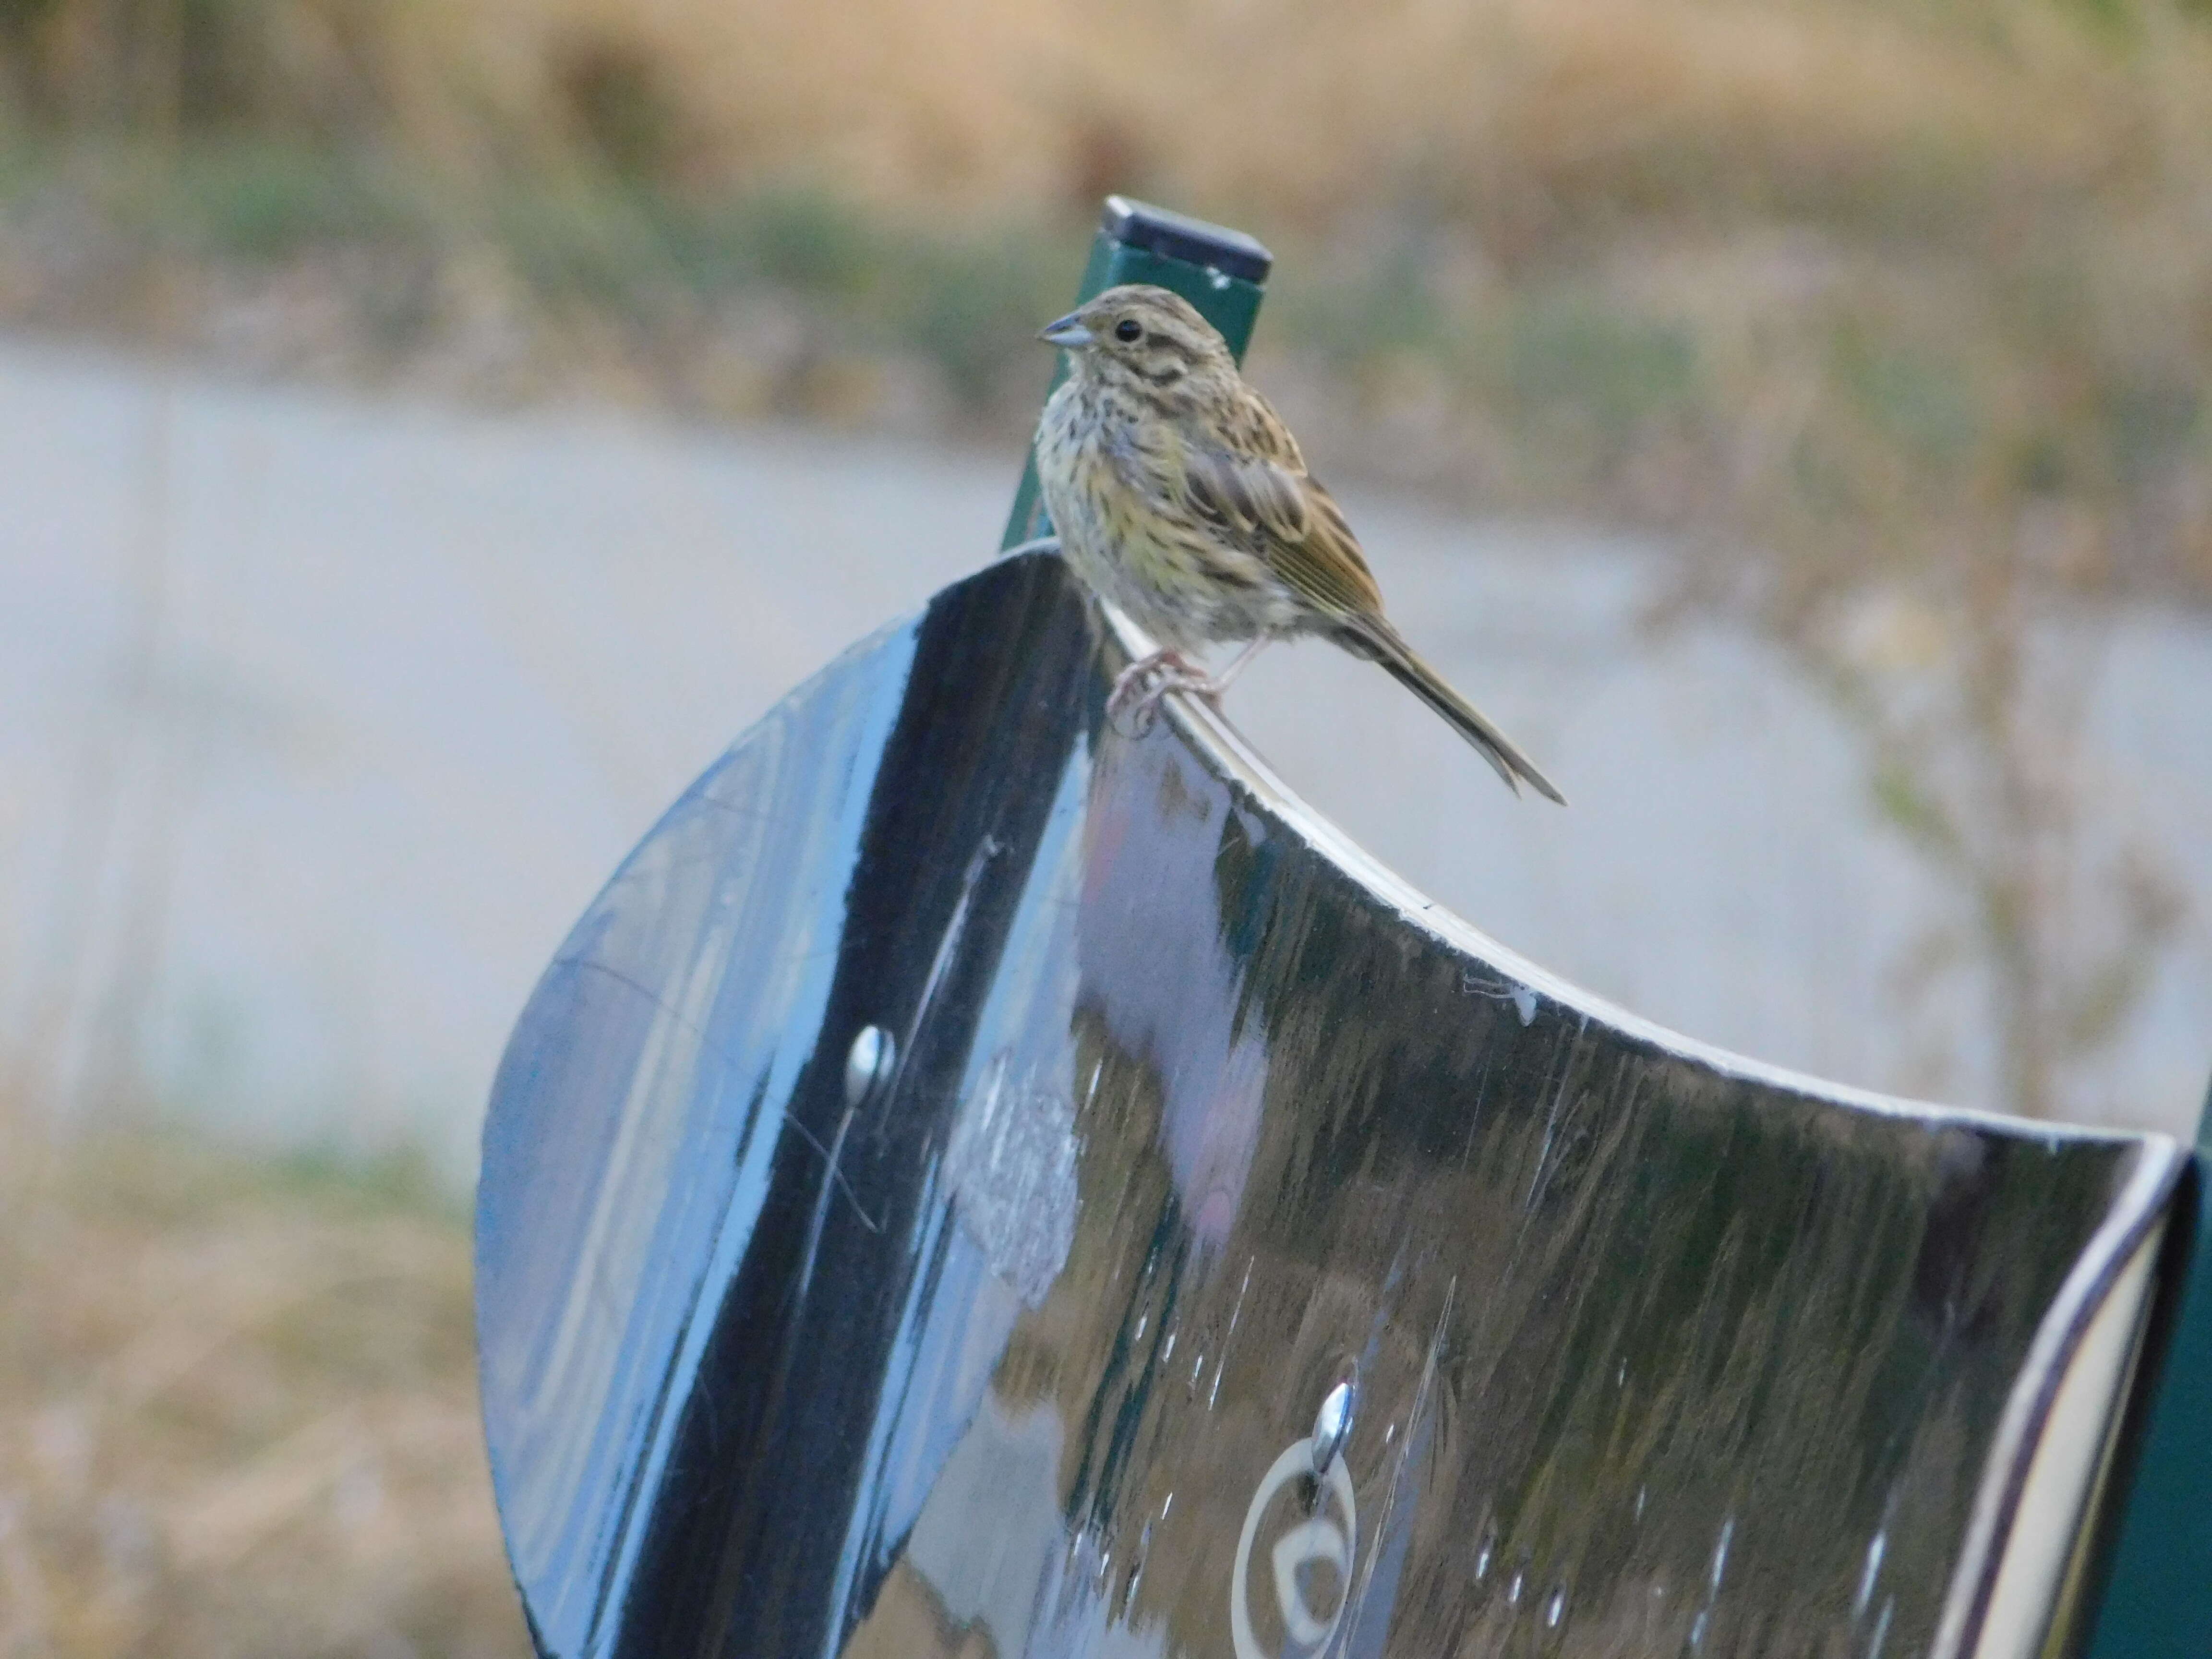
{"x":868,"y":1066}
{"x":1332,"y":1424}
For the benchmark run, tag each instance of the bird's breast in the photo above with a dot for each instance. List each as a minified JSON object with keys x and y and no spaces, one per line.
{"x":1113,"y":482}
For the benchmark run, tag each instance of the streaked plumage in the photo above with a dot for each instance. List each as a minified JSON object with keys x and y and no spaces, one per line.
{"x":1181,"y":497}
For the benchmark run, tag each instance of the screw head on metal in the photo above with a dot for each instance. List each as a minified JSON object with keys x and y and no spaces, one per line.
{"x":869,"y":1064}
{"x":1332,"y":1425}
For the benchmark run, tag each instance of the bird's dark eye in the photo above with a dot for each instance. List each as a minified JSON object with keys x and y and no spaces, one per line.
{"x":1129,"y":331}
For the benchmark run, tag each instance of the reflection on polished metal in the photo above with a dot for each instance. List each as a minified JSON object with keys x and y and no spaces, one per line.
{"x":868,"y":1065}
{"x":1329,"y":1537}
{"x":1331,"y":1423}
{"x":1185,"y":1113}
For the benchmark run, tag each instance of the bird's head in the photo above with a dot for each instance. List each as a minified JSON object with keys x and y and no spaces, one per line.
{"x":1142,"y":335}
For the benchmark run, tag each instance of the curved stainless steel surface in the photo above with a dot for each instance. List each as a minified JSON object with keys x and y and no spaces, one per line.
{"x":1010,"y":1328}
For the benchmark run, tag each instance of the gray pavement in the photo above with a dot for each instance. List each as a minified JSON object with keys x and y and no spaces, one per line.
{"x":322,"y":716}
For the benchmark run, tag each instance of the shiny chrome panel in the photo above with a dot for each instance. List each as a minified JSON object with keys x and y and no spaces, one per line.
{"x":1019,"y":1327}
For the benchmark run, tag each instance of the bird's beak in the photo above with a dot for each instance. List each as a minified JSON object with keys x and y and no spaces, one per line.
{"x":1067,"y":334}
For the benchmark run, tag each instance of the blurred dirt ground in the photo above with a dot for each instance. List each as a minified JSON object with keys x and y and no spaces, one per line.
{"x":238,"y":1412}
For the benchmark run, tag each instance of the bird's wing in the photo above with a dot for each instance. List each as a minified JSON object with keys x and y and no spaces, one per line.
{"x":1327,"y":566}
{"x":1256,"y":495}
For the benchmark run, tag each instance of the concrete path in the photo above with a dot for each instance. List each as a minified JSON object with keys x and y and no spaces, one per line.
{"x":321,"y":718}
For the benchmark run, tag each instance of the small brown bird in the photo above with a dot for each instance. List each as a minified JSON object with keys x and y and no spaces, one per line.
{"x":1182,"y":498}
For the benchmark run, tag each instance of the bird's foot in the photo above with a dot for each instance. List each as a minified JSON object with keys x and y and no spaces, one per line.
{"x":1138,"y":688}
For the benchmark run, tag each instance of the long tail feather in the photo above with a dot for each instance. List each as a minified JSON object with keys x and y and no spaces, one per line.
{"x":1378,"y":639}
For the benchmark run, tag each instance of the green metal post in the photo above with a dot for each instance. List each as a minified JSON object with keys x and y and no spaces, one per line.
{"x":2157,"y":1589}
{"x":1221,"y":271}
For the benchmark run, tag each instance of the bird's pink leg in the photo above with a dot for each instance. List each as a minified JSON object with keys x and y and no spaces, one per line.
{"x":1214,"y":687}
{"x":1144,"y":682}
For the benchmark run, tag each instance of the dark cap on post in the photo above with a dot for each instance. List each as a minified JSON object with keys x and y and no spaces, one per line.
{"x":1178,"y":236}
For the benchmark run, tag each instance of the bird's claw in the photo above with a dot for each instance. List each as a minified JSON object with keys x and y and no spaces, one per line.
{"x":1135,"y":696}
{"x":1132,"y":704}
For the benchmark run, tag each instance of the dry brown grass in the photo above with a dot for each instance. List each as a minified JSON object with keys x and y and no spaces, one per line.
{"x":237,"y":1415}
{"x":1270,"y":109}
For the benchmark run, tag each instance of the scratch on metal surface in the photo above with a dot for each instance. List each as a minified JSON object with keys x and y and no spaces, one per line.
{"x":1389,"y":1506}
{"x":1873,"y":1571}
{"x":1881,"y":1629}
{"x":729,"y":1063}
{"x":1475,"y":1111}
{"x":833,"y":1181}
{"x":1214,"y":1393}
{"x":1551,"y":1116}
{"x":949,"y":944}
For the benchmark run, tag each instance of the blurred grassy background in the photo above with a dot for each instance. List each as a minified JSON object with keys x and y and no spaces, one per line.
{"x":1894,"y":315}
{"x":238,"y":1415}
{"x":1848,"y":280}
